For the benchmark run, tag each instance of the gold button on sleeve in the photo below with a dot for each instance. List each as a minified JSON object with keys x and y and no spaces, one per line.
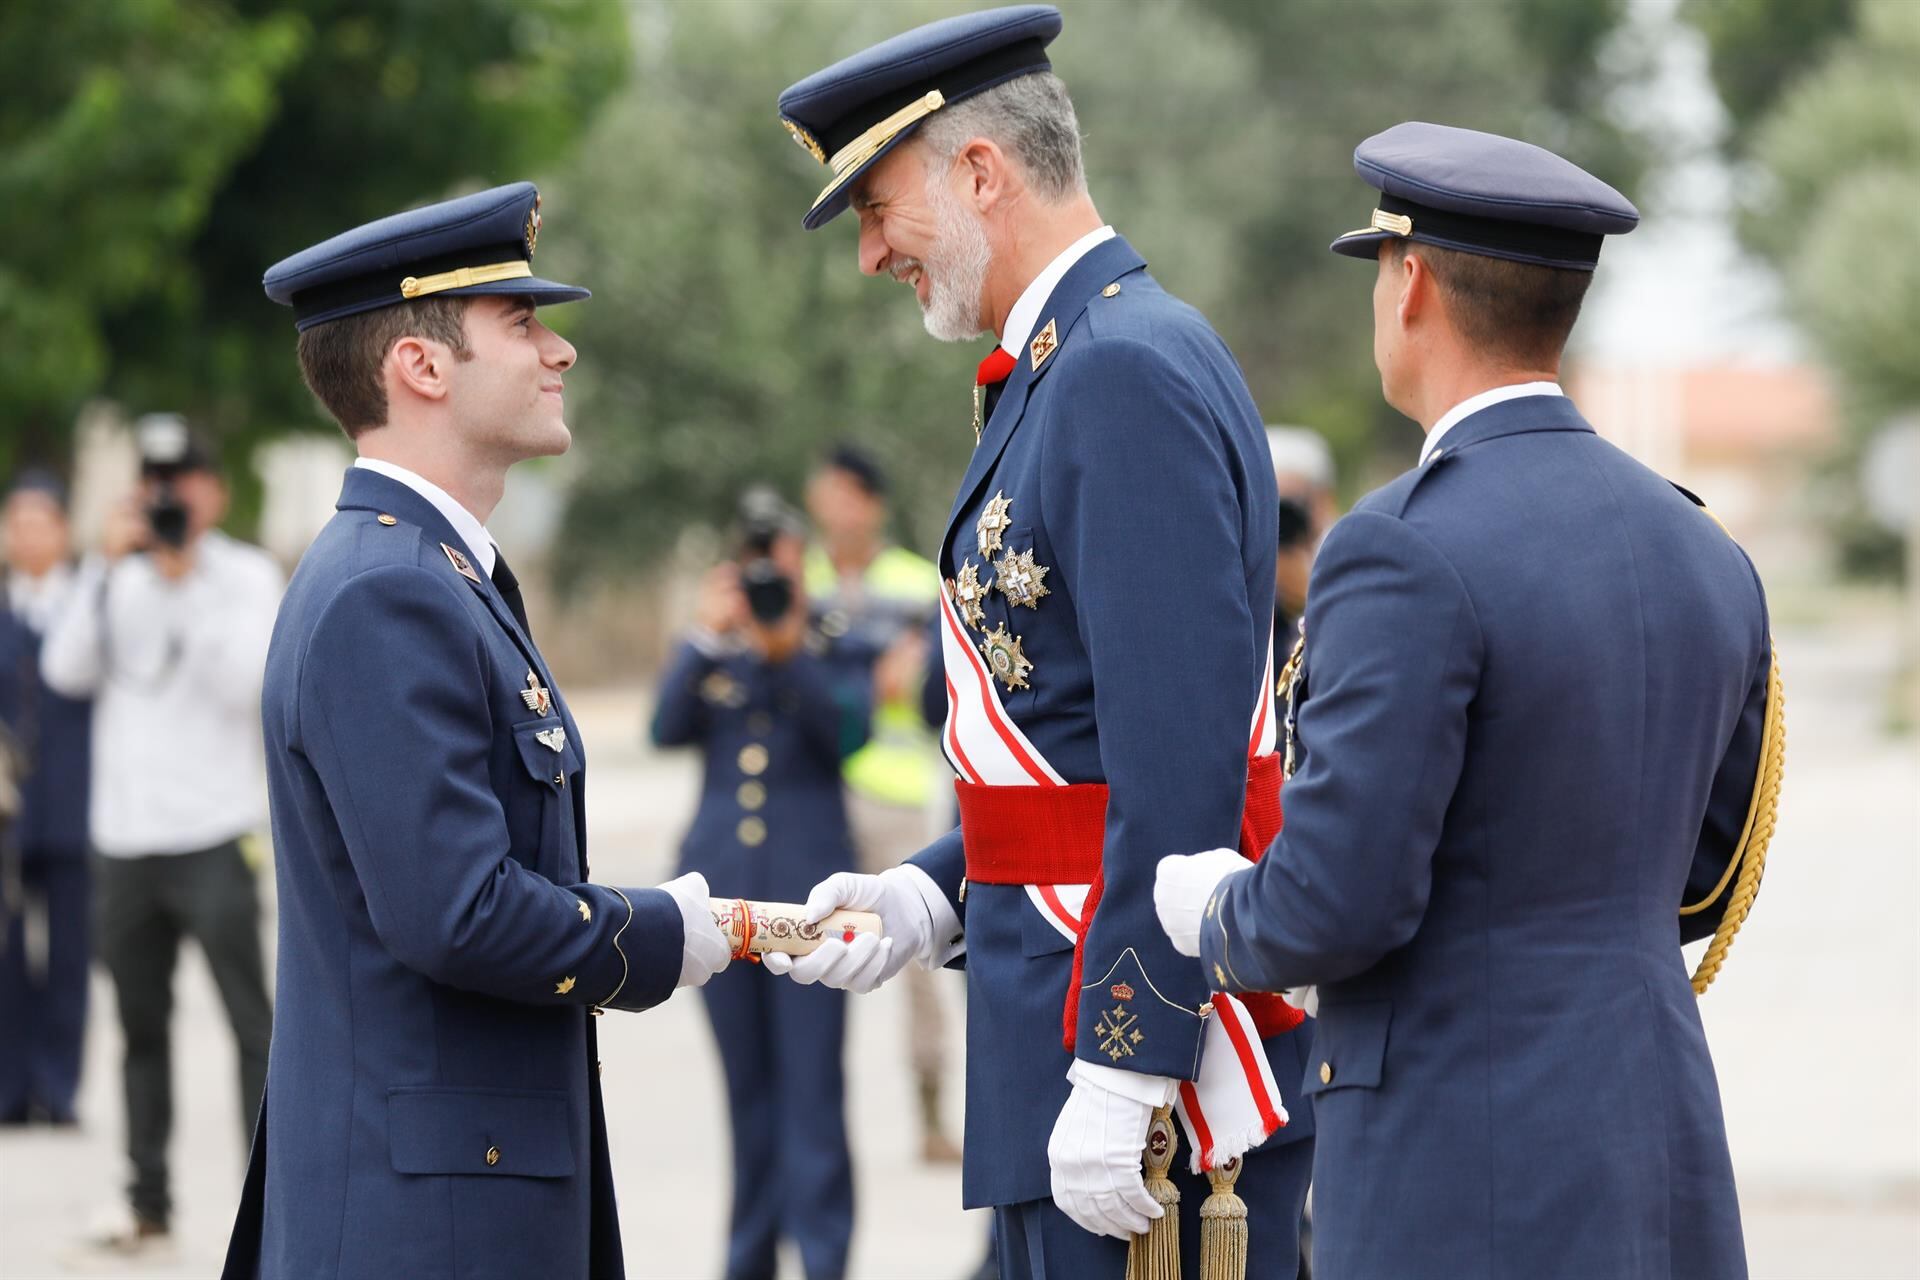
{"x":1326,"y":1073}
{"x":493,"y":1156}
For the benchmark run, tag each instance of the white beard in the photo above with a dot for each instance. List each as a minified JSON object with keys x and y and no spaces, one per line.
{"x":956,"y":269}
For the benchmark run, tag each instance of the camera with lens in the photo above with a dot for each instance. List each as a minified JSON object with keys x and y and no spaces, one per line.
{"x":1296,"y":524}
{"x":167,"y":449}
{"x":764,"y":518}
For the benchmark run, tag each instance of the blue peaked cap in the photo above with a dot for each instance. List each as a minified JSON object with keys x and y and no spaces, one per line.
{"x":477,"y":244}
{"x":862,"y":107}
{"x":1485,"y":194}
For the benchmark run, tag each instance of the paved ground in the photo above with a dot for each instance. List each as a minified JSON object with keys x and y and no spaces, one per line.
{"x":1813,"y":1023}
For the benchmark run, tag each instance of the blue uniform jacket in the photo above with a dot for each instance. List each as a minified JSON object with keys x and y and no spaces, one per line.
{"x":1138,"y":474}
{"x":56,"y":734}
{"x":1535,"y":675}
{"x":433,"y":1107}
{"x":772,"y":820}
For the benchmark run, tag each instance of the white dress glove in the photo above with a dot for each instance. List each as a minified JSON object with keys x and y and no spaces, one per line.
{"x":1184,"y":885}
{"x":1095,"y":1154}
{"x":906,"y":921}
{"x":706,"y":951}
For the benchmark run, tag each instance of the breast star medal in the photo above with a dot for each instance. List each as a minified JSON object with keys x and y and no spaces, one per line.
{"x":1020,"y":580}
{"x":993,"y":523}
{"x":537,"y":696}
{"x":968,"y":595}
{"x":1010,"y":665}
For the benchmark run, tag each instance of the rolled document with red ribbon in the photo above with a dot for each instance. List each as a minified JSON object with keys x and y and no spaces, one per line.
{"x":755,"y":928}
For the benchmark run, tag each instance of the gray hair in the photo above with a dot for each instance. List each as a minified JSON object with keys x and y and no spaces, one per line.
{"x":1031,"y":118}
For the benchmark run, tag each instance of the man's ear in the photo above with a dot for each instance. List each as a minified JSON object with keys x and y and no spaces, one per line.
{"x":1417,"y":286}
{"x":419,"y":365}
{"x":989,"y":176}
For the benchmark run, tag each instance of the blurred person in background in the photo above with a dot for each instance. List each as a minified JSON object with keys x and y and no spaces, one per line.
{"x":878,"y":598}
{"x":1303,"y":473}
{"x":166,"y":629}
{"x":43,"y":850}
{"x":775,"y":712}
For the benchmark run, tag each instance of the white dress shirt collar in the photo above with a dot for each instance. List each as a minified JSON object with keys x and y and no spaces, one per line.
{"x":464,"y":522}
{"x":1026,"y":310}
{"x":1474,"y":404}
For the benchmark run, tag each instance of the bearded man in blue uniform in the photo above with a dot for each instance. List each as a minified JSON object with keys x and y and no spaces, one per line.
{"x":1534,"y":698}
{"x":1106,"y":635}
{"x":433,"y":1098}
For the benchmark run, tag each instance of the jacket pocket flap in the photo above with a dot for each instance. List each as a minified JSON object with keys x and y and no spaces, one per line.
{"x":546,"y":749}
{"x":501,"y":1132}
{"x":1349,"y":1047}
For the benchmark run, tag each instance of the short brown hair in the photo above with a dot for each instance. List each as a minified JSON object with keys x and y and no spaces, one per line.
{"x":1514,"y":311}
{"x":341,"y":359}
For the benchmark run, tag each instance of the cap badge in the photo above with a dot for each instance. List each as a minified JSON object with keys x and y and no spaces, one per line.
{"x":1043,"y":345}
{"x":537,"y":696}
{"x":1397,"y":224}
{"x":1004,"y":655}
{"x":1020,"y":579}
{"x":994,"y":522}
{"x":533,"y":225}
{"x":968,"y":596}
{"x":805,"y":140}
{"x":458,"y":559}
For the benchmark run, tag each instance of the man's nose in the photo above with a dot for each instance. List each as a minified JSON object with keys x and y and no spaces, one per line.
{"x":874,"y":251}
{"x":562,"y":355}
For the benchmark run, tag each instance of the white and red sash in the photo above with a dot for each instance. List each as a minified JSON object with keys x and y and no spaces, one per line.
{"x":1235,"y":1103}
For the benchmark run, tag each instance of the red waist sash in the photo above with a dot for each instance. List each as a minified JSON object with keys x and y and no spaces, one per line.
{"x":1056,"y":835}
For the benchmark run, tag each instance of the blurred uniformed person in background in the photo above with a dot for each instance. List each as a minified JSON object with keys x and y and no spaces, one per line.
{"x":1532,"y":705}
{"x":1303,"y":476}
{"x":775,"y":710}
{"x":877,"y":598}
{"x":433,"y":1107}
{"x":46,"y":761}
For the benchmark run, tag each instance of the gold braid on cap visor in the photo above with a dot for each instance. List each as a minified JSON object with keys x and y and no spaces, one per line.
{"x":868,"y":144}
{"x":461,"y":277}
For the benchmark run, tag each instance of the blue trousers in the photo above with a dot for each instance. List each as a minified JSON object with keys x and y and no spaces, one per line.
{"x":781,"y":1046}
{"x":43,"y":1007}
{"x":1035,"y":1241}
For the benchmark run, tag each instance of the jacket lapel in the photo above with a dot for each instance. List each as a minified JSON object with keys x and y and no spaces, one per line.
{"x":365,"y":490}
{"x":1103,"y":264}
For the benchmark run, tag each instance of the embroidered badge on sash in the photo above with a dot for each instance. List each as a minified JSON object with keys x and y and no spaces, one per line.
{"x":1010,"y":665}
{"x":1119,"y":1032}
{"x":993,"y":523}
{"x":1044,"y":345}
{"x":968,"y":596}
{"x":536,"y":695}
{"x":1021,"y":580}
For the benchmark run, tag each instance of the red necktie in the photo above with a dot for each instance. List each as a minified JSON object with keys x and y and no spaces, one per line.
{"x":987,"y":383}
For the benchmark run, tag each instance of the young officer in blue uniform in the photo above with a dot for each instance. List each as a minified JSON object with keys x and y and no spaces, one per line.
{"x":1109,"y":564}
{"x":433,"y":1098}
{"x":775,"y":717}
{"x":1530,"y":715}
{"x":43,"y":849}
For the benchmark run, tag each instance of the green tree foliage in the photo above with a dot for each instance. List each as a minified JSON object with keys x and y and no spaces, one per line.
{"x":1840,"y":149}
{"x":726,"y":345}
{"x":1757,"y":47}
{"x":157,"y":155}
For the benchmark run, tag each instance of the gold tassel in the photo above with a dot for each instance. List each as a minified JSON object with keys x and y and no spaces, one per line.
{"x":1223,"y":1227}
{"x":1156,"y":1255}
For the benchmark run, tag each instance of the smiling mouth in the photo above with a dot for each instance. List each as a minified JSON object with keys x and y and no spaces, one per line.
{"x":910,"y":274}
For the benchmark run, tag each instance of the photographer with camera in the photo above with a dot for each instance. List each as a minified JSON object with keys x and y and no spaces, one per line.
{"x":167,"y":630}
{"x":775,"y":707}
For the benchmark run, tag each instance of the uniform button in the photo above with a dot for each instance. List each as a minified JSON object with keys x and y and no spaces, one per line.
{"x":752,"y":832}
{"x":753,"y":759}
{"x":387,"y":519}
{"x":1111,"y":291}
{"x":559,"y":779}
{"x":493,"y":1156}
{"x":751,"y":794}
{"x":1326,"y":1073}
